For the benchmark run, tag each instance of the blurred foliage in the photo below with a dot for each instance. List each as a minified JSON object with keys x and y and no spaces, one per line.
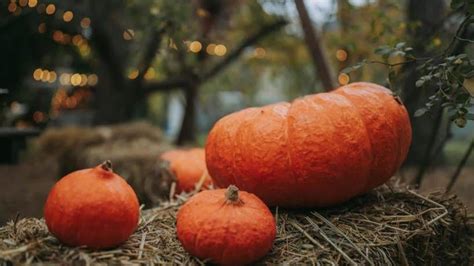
{"x":451,"y":73}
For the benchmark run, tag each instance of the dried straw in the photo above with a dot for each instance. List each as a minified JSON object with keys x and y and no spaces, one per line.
{"x":389,"y":226}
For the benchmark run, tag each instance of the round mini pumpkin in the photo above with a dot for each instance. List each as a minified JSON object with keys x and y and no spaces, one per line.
{"x":188,"y":166}
{"x":92,"y":207}
{"x":316,"y":151}
{"x":226,"y":227}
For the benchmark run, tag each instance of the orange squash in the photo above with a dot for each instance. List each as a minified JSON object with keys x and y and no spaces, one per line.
{"x":316,"y":151}
{"x":92,"y":207}
{"x":226,"y":227}
{"x":188,"y":166}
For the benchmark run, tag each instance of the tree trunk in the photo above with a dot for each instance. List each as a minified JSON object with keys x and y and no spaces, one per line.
{"x":429,"y":14}
{"x":315,"y":47}
{"x":187,"y":133}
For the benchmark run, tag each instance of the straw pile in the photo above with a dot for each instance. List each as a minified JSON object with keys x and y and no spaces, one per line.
{"x":133,"y":148}
{"x":389,"y":226}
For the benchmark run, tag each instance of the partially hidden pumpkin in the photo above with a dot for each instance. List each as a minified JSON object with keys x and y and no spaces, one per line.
{"x":188,"y":166}
{"x":92,"y":207}
{"x":316,"y":151}
{"x":226,"y":226}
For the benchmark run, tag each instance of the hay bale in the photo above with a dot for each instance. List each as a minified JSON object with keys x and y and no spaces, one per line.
{"x":134,"y":149}
{"x":389,"y":226}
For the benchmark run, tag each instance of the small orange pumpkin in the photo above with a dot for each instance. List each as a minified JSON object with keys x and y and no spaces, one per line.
{"x":316,"y":151}
{"x":92,"y":207}
{"x":188,"y":166}
{"x":226,"y":227}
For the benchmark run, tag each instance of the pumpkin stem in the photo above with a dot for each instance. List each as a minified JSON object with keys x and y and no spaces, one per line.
{"x":106,"y":165}
{"x":232,"y":194}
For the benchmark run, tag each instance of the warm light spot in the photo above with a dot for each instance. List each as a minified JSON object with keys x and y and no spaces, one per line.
{"x":85,"y":22}
{"x":210,"y":48}
{"x":58,"y":36}
{"x":38,"y":116}
{"x":65,"y":78}
{"x":23,"y":2}
{"x":259,"y":52}
{"x":220,"y":50}
{"x":37,"y":74}
{"x":45,"y":76}
{"x":133,"y":74}
{"x":52,"y":77}
{"x":83,"y":80}
{"x":436,"y":41}
{"x":343,"y":79}
{"x":15,"y":107}
{"x":77,"y":40}
{"x":195,"y":47}
{"x":32,"y":3}
{"x":68,"y":16}
{"x":92,"y":80}
{"x":76,"y":79}
{"x":50,"y":9}
{"x":42,"y":27}
{"x":341,"y":55}
{"x":12,"y":7}
{"x":150,"y":73}
{"x":84,"y":49}
{"x":202,"y":13}
{"x":128,"y":34}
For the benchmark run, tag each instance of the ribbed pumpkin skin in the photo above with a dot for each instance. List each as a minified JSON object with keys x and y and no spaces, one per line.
{"x":92,"y":207}
{"x":210,"y":228}
{"x":318,"y":151}
{"x":188,"y":166}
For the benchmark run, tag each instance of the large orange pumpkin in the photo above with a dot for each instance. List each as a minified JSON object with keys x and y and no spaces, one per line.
{"x":92,"y":207}
{"x":317,"y":151}
{"x":226,"y":227}
{"x":188,"y":166}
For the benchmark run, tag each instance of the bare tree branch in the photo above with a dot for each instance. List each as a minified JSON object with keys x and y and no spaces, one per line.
{"x":460,"y":167}
{"x":263,"y":32}
{"x":149,"y":55}
{"x":313,"y":42}
{"x":165,"y":85}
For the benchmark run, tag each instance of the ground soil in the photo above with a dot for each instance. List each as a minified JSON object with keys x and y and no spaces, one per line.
{"x":24,"y":187}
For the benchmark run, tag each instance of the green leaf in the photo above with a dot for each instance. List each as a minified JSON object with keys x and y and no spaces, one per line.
{"x":456,"y":4}
{"x":400,"y":45}
{"x":420,"y":112}
{"x":419,"y":83}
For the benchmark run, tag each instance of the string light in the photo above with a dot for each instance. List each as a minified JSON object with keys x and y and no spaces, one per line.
{"x":37,"y":74}
{"x":68,"y":16}
{"x":220,"y":50}
{"x":150,"y":74}
{"x":85,"y":22}
{"x":133,"y":74}
{"x":76,"y":79}
{"x":64,"y":78}
{"x":50,"y":9}
{"x":210,"y":48}
{"x":45,"y":76}
{"x":12,"y":7}
{"x":92,"y":80}
{"x":195,"y":46}
{"x":343,"y":79}
{"x":23,"y":3}
{"x":32,"y":3}
{"x":39,"y":117}
{"x":341,"y":55}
